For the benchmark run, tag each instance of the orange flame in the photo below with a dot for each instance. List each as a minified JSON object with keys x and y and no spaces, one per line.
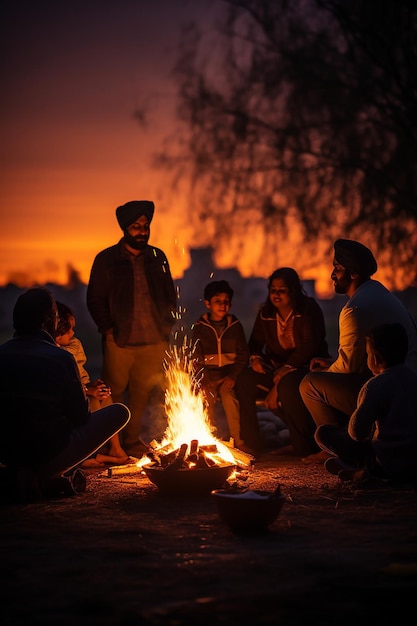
{"x":185,"y":408}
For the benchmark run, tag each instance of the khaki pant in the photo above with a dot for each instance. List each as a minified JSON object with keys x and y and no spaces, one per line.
{"x":231,"y":409}
{"x":132,"y":373}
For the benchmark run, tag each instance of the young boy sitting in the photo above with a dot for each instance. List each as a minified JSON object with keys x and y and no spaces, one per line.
{"x":221,"y":353}
{"x":381,"y":439}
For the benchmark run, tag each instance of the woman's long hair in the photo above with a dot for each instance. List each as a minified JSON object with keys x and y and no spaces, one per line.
{"x":292,"y":281}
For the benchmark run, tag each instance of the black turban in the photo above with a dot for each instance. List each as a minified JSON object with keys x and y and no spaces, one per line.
{"x":355,"y":257}
{"x":129,"y":212}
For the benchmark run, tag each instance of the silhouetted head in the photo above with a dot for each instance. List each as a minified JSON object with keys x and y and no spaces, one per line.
{"x":390,"y":342}
{"x":35,"y":310}
{"x":355,"y":257}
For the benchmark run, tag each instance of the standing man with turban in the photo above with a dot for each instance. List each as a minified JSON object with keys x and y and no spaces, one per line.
{"x":331,"y":389}
{"x":131,"y":297}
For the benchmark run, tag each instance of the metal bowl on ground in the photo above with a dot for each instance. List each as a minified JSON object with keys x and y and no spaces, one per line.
{"x":189,"y":481}
{"x":248,"y":511}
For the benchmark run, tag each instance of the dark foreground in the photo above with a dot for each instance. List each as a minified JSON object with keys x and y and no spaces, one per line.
{"x":121,"y":553}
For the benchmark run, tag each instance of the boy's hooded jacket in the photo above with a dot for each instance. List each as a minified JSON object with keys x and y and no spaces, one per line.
{"x":226,"y":355}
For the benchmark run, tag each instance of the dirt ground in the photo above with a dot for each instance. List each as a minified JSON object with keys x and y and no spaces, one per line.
{"x":123,"y":553}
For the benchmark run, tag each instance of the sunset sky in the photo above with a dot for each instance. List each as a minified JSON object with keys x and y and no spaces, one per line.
{"x":72,"y":151}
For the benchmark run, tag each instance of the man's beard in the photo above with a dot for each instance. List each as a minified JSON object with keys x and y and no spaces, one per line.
{"x":137,"y":243}
{"x":342,"y":284}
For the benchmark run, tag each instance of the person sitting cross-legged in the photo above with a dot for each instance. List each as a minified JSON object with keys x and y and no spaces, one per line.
{"x":381,"y":437}
{"x":330,"y":389}
{"x":47,"y":427}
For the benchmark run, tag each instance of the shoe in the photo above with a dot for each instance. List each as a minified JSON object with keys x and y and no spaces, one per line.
{"x":317,"y":458}
{"x":78,"y":481}
{"x":69,"y":484}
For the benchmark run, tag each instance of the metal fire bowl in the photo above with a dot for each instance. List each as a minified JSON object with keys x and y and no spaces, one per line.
{"x":189,"y":481}
{"x":244,"y":513}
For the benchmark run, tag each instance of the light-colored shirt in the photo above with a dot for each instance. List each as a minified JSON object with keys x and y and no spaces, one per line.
{"x":371,"y":305}
{"x":75,"y":347}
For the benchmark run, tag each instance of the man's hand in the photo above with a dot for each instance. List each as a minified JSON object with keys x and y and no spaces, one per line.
{"x":319,"y":364}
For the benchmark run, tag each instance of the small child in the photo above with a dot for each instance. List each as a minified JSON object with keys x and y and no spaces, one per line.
{"x":221,"y":353}
{"x":98,"y":393}
{"x":381,"y":438}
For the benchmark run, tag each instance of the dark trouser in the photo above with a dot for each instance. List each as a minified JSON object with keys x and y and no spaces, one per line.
{"x":331,"y":398}
{"x":87,"y":438}
{"x":251,"y":386}
{"x":336,"y":440}
{"x":295,"y":414}
{"x":247,"y":393}
{"x":358,"y":454}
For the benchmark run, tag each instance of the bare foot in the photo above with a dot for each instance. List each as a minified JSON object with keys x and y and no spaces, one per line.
{"x":117,"y":452}
{"x":109,"y":458}
{"x":91,"y":463}
{"x":317,"y":458}
{"x":283,"y":451}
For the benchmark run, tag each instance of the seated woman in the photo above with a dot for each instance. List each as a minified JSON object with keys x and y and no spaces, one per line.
{"x":289,"y":330}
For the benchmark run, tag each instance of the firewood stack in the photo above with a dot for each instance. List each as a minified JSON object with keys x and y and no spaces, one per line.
{"x":192,"y":456}
{"x":196,"y":458}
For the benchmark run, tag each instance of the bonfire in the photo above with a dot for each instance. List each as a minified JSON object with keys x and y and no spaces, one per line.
{"x":189,"y":440}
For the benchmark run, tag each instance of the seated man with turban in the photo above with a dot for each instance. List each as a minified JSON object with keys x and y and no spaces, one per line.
{"x":330,"y":389}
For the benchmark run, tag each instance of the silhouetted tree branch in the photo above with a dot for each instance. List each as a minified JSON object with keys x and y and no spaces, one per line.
{"x":309,"y":110}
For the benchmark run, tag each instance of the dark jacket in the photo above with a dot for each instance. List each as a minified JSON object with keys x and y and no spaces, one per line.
{"x":386,"y":415}
{"x":226,"y":355}
{"x":42,"y":399}
{"x":110,"y":291}
{"x":309,"y":336}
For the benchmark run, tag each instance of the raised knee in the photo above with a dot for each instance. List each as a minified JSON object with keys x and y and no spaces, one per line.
{"x":305,"y":384}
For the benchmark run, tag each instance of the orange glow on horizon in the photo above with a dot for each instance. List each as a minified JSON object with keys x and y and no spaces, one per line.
{"x":73,"y":148}
{"x":44,"y":251}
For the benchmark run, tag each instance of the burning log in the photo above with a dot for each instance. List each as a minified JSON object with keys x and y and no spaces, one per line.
{"x":199,"y":457}
{"x":193,"y":456}
{"x":178,"y":462}
{"x":205,"y":461}
{"x":168,"y":458}
{"x":241,"y":457}
{"x":210,"y":448}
